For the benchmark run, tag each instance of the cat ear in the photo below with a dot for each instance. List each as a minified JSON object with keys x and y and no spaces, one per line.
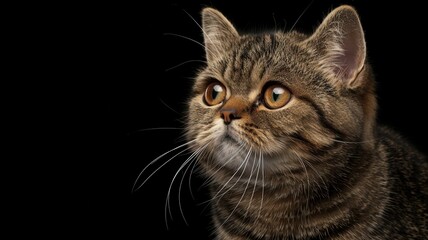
{"x":219,"y":33}
{"x":340,"y":40}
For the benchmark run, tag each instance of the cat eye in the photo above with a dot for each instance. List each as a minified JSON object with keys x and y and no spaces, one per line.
{"x":215,"y":93}
{"x":276,"y":96}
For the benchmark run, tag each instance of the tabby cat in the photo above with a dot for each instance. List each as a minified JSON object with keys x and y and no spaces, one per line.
{"x":284,"y":125}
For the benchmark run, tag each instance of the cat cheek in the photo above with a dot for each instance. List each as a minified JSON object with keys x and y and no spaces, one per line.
{"x":218,"y":131}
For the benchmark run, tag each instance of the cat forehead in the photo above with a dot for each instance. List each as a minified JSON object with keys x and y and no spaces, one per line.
{"x":257,"y":57}
{"x":268,"y":46}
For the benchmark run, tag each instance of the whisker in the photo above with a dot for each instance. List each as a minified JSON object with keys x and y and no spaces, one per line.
{"x":255,"y":184}
{"x":187,"y":38}
{"x":285,"y":25}
{"x":190,"y":179}
{"x":301,"y":15}
{"x":166,"y":105}
{"x":161,"y":166}
{"x":179,"y":190}
{"x":224,"y":185}
{"x":206,"y":36}
{"x":352,"y":142}
{"x":274,"y":20}
{"x":157,"y":159}
{"x":243,"y":193}
{"x":224,"y":164}
{"x":181,"y":64}
{"x":167,"y":205}
{"x":242,"y":173}
{"x":158,"y":128}
{"x":263,"y":185}
{"x":307,"y":178}
{"x":202,"y":155}
{"x":322,"y":179}
{"x":287,"y":167}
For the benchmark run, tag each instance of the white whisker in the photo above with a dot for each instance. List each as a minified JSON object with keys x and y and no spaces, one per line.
{"x":190,"y":178}
{"x":316,"y":172}
{"x":307,"y":178}
{"x":243,"y":193}
{"x":166,"y":105}
{"x":187,"y":38}
{"x":274,"y":21}
{"x":255,"y":184}
{"x":301,"y":15}
{"x":181,"y":36}
{"x":180,"y":187}
{"x":158,"y":128}
{"x":225,"y":163}
{"x":161,"y":166}
{"x":155,"y":160}
{"x":244,"y":162}
{"x":178,"y":65}
{"x":263,"y":185}
{"x":206,"y":36}
{"x":167,"y":205}
{"x":352,"y":142}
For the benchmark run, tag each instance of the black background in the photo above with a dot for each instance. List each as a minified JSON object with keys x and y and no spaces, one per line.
{"x":127,"y":51}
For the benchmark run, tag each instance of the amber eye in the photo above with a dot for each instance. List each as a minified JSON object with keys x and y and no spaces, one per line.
{"x":276,"y":96}
{"x":215,"y":93}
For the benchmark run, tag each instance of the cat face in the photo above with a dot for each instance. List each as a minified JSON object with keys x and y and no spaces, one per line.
{"x":280,"y":98}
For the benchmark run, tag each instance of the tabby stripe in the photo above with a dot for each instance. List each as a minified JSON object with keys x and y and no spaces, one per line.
{"x":322,"y":117}
{"x":326,"y":149}
{"x":238,"y":223}
{"x":251,"y":67}
{"x":251,"y":125}
{"x":335,"y":231}
{"x":235,"y":231}
{"x":258,"y":52}
{"x":319,"y":151}
{"x":343,"y":187}
{"x":244,"y":51}
{"x":234,"y":228}
{"x":238,"y":216}
{"x":230,"y":66}
{"x":299,"y":137}
{"x":262,"y":72}
{"x":236,"y":60}
{"x":223,"y":66}
{"x":252,"y":131}
{"x":322,"y":83}
{"x":244,"y":56}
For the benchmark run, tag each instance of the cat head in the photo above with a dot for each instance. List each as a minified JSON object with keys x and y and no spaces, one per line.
{"x":281,"y":97}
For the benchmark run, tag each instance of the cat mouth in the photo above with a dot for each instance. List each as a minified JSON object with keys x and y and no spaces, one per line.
{"x":228,"y":138}
{"x":231,"y":135}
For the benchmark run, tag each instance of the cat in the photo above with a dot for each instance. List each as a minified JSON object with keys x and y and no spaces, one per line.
{"x":284,"y":127}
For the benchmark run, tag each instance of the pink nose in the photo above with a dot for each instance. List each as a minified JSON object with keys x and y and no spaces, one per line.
{"x":234,"y":108}
{"x":229,"y":114}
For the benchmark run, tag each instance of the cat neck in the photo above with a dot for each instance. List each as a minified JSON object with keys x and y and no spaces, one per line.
{"x":302,"y":203}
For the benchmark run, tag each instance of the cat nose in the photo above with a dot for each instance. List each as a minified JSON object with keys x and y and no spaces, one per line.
{"x":233,"y":109}
{"x":229,"y":114}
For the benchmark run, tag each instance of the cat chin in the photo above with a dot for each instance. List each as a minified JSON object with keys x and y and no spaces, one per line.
{"x":232,"y":155}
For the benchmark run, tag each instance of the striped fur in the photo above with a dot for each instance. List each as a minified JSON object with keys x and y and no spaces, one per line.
{"x":319,"y":167}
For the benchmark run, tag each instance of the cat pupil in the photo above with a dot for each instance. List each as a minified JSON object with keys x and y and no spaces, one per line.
{"x":216,"y":90}
{"x":276,"y":93}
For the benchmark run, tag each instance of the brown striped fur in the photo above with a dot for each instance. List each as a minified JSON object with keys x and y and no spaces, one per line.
{"x":318,"y":168}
